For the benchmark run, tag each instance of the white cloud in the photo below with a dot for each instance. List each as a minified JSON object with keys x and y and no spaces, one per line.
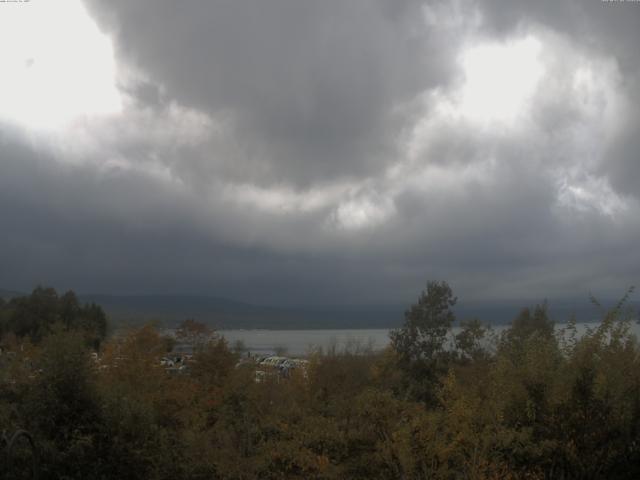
{"x":55,"y":65}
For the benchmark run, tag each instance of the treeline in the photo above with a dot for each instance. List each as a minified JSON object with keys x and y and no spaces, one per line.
{"x":35,"y":316}
{"x":532,"y":402}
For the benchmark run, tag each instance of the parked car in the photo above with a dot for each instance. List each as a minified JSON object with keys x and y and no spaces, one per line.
{"x":274,"y":361}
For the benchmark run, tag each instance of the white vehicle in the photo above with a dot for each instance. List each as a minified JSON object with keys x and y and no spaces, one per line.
{"x":274,"y":361}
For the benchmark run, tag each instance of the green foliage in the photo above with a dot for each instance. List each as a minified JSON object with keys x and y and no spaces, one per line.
{"x":36,"y":316}
{"x":426,"y":325}
{"x":528,"y":324}
{"x":61,"y":408}
{"x":420,"y":343}
{"x":469,"y":341}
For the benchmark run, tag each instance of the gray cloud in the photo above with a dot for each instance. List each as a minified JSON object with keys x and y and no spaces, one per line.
{"x":607,"y":27}
{"x":309,"y":85}
{"x":292,"y":152}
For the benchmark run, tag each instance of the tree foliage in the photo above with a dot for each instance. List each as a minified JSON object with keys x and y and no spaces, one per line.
{"x":420,"y":344}
{"x":442,"y":401}
{"x":36,"y":316}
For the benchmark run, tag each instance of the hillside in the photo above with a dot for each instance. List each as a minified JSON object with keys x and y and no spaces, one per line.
{"x":223,"y":313}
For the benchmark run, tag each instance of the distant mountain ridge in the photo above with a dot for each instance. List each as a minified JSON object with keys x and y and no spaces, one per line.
{"x":8,"y":294}
{"x":223,"y":313}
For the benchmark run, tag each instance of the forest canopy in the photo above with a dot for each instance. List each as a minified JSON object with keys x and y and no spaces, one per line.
{"x":37,"y":315}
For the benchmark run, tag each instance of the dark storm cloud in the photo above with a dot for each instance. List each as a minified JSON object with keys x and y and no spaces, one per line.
{"x":124,"y":232}
{"x":309,"y":85}
{"x":306,"y":151}
{"x":119,"y":232}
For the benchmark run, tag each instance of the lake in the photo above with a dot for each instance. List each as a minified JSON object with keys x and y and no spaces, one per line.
{"x":302,"y":342}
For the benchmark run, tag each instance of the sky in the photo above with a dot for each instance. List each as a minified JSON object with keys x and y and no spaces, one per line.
{"x":298,"y":152}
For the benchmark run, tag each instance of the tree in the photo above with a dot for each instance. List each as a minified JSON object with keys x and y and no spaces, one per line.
{"x":62,"y":408}
{"x":193,"y":332}
{"x":214,"y":362}
{"x":469,"y":340}
{"x":35,"y":316}
{"x":420,"y":343}
{"x":526,"y":327}
{"x":426,"y":325}
{"x":93,"y":322}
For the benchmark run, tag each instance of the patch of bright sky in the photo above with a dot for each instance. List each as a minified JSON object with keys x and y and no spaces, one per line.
{"x":498,"y":82}
{"x":500,"y":79}
{"x":365,"y":211}
{"x":55,"y":65}
{"x":284,"y":200}
{"x":353,"y":206}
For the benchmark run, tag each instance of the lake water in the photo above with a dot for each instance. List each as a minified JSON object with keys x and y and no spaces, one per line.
{"x":302,"y":342}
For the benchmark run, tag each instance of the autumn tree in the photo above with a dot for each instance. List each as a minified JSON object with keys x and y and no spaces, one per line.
{"x":193,"y":332}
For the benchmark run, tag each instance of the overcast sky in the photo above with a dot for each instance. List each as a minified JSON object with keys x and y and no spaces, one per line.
{"x":305,"y":151}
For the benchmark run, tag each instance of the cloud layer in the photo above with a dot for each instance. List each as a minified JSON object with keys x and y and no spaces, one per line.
{"x":341,"y":152}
